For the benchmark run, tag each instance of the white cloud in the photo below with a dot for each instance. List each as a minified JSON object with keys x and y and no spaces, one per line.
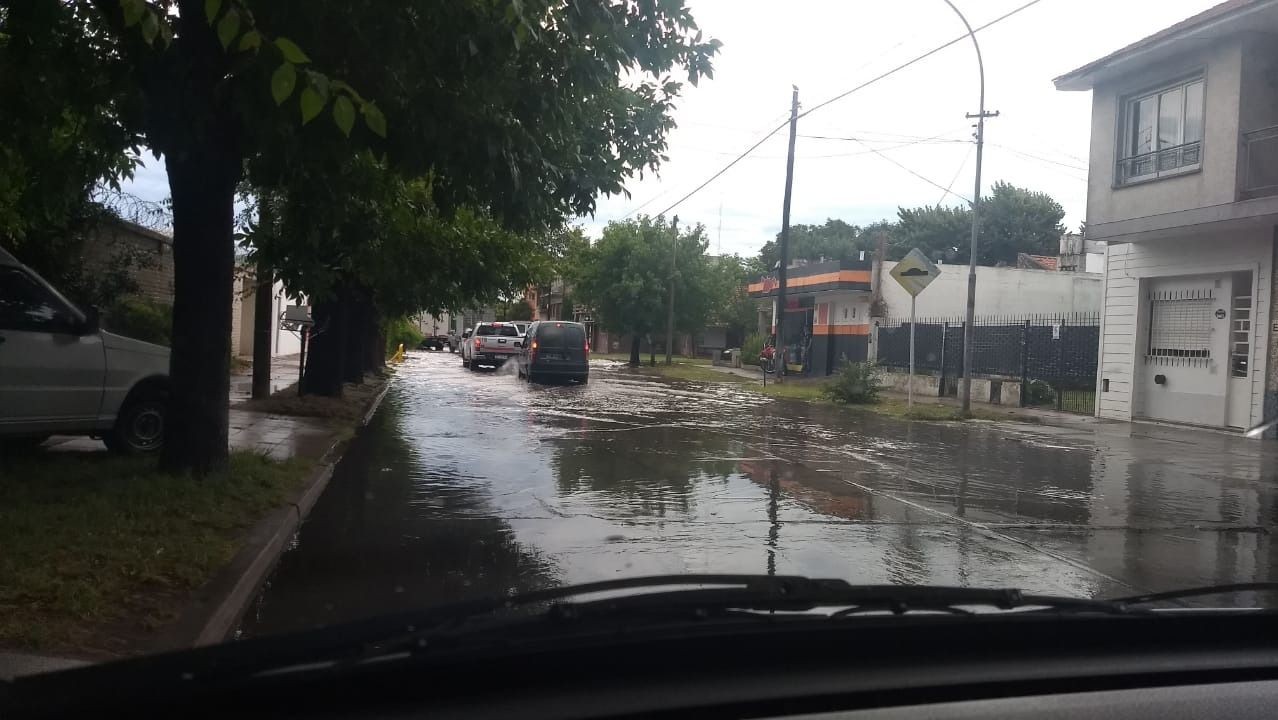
{"x":829,"y":46}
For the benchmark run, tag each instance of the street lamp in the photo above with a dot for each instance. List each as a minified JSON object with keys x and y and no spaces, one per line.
{"x":976,"y":220}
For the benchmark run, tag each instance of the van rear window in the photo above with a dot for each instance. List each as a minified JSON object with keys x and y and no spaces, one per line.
{"x":557,"y":336}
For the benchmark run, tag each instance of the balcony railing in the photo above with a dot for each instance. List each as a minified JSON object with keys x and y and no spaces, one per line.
{"x":1260,"y":163}
{"x":1159,"y":163}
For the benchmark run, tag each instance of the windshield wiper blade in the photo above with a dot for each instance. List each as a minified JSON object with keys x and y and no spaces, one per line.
{"x":1200,"y":591}
{"x":710,"y":593}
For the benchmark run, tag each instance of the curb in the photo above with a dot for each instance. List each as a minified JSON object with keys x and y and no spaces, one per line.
{"x":223,"y":601}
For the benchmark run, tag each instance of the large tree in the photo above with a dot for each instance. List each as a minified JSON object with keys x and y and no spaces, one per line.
{"x":521,"y":109}
{"x":625,"y":278}
{"x":1013,"y":220}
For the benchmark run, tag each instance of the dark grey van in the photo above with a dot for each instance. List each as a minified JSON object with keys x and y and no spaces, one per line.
{"x":555,"y":350}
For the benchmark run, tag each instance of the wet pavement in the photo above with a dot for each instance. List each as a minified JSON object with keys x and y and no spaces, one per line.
{"x":471,"y":484}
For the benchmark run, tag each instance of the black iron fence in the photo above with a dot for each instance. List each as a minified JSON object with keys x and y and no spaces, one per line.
{"x":1053,"y":357}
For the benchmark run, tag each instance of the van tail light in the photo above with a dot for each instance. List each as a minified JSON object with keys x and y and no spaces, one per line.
{"x":587,"y":347}
{"x":532,"y":351}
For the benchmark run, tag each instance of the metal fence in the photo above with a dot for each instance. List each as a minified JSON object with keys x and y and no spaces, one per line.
{"x":1053,"y":357}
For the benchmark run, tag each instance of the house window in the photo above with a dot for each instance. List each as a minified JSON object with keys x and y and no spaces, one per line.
{"x":1180,"y":326}
{"x":1162,"y":132}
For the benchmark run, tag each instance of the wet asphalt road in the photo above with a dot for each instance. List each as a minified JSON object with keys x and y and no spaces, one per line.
{"x":470,"y":484}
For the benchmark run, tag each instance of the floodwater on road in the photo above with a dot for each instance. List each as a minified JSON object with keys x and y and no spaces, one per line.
{"x":469,"y":484}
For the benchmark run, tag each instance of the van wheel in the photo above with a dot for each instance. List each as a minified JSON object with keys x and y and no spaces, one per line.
{"x":139,"y":428}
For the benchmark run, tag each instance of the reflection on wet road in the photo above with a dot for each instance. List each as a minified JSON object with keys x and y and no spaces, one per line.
{"x":476,"y":483}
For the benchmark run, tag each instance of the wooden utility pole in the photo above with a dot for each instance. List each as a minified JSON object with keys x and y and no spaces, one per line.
{"x":263,"y":311}
{"x":674,"y":249}
{"x":779,"y":349}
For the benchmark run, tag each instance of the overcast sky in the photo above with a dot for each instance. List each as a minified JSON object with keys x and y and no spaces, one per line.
{"x":826,"y":47}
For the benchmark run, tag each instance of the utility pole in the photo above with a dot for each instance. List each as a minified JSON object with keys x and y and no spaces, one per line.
{"x":970,"y":317}
{"x":674,"y":247}
{"x":785,"y":232}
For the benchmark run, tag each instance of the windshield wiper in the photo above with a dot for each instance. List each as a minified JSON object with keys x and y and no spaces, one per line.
{"x":1201,"y":591}
{"x":706,"y":594}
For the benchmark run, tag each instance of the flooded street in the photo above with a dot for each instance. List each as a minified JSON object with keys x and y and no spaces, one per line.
{"x":476,"y":483}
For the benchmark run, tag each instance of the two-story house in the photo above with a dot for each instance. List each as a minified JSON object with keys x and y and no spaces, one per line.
{"x":1183,"y":189}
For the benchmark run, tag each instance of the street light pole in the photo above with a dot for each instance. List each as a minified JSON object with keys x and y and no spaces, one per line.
{"x":976,"y":220}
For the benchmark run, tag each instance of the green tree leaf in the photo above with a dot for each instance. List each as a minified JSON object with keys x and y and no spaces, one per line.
{"x":133,"y":11}
{"x":374,"y":119}
{"x":211,"y":9}
{"x":251,"y":40}
{"x":150,"y":28}
{"x":312,"y":103}
{"x":228,"y":27}
{"x":291,"y":51}
{"x":283,"y":80}
{"x":344,"y":114}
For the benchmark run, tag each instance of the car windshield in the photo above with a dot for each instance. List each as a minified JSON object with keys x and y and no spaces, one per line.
{"x":813,"y":292}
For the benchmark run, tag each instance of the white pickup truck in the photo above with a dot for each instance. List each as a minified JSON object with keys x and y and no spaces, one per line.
{"x":60,"y":374}
{"x":492,"y":344}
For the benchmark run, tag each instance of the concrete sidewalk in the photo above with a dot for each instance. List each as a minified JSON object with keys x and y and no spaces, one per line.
{"x":279,"y":436}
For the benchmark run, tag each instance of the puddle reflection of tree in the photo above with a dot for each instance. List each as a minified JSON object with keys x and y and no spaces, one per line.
{"x":644,"y":472}
{"x":374,"y":544}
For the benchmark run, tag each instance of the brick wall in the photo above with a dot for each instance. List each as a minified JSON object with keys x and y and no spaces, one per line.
{"x":155,"y":274}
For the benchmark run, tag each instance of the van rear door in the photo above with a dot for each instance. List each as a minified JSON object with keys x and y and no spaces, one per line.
{"x":561,"y":344}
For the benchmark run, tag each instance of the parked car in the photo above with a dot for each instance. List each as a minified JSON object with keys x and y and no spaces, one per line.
{"x":555,"y":349}
{"x":492,"y":344}
{"x":61,"y":374}
{"x":455,"y":340}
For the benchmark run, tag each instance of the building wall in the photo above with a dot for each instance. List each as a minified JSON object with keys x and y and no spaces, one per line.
{"x":840,"y":329}
{"x":283,"y":342}
{"x":1123,"y":323}
{"x":155,"y":275}
{"x":999,"y":290}
{"x":1215,"y":183}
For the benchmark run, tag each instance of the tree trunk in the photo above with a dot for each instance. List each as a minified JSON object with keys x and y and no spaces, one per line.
{"x":263,"y":324}
{"x":325,"y":359}
{"x":634,"y":350}
{"x":361,"y":312}
{"x":202,"y":182}
{"x":652,"y":352}
{"x":375,"y":346}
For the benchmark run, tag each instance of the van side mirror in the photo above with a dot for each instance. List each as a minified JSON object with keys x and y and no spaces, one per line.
{"x":92,"y":321}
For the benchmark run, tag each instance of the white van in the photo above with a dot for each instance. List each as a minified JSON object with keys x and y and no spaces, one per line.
{"x":60,"y":374}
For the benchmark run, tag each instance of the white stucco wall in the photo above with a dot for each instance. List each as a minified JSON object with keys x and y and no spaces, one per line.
{"x":1221,"y":63}
{"x":999,"y":291}
{"x":1123,"y":331}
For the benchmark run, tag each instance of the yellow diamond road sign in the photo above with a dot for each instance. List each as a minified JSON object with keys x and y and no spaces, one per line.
{"x":915,"y":272}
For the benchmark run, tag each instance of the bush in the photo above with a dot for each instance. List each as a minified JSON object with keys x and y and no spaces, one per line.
{"x":402,"y":330}
{"x":750,"y":350}
{"x":140,"y":318}
{"x":1040,"y":393}
{"x":856,"y":383}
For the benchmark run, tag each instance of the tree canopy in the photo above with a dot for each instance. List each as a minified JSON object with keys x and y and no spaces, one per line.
{"x":495,"y":120}
{"x":1013,"y":220}
{"x":625,"y":278}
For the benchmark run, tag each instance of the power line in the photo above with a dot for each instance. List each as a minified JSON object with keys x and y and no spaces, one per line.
{"x":842,"y":95}
{"x":1032,"y":156}
{"x":958,"y":172}
{"x":924,"y":56}
{"x":727,"y":167}
{"x":934,"y":184}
